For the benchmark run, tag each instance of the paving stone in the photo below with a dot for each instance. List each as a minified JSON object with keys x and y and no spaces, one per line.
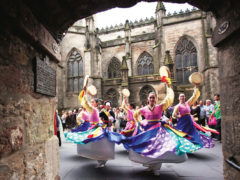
{"x":204,"y":164}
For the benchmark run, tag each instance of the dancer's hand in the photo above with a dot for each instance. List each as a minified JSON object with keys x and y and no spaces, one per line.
{"x":144,"y":122}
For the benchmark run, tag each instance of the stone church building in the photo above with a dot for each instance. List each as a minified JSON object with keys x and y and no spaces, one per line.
{"x":129,"y":56}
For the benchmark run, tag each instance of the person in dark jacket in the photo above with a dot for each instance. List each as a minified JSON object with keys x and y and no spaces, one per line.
{"x":70,"y":120}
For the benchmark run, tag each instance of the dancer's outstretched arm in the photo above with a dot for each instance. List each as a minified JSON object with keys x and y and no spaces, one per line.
{"x":175,"y":112}
{"x":137,"y":116}
{"x":83,"y":100}
{"x":168,"y":100}
{"x":124,"y":105}
{"x":195,"y":96}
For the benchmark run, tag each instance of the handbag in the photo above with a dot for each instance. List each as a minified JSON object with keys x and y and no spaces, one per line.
{"x":212,"y":121}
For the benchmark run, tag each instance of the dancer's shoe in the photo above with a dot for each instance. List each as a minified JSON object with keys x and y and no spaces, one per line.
{"x":101,"y":164}
{"x":156,"y":172}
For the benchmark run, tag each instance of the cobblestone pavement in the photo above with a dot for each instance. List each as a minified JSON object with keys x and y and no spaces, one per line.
{"x":204,"y":164}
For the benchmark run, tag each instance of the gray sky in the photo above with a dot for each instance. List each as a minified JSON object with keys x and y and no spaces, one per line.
{"x":141,"y":10}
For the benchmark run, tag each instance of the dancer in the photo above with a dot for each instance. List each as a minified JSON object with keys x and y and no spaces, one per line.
{"x":131,"y":128}
{"x":182,"y":113}
{"x":92,"y":143}
{"x":185,"y":120}
{"x":82,"y":121}
{"x":159,"y":142}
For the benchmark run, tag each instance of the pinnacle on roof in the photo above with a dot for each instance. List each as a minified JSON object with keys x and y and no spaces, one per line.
{"x":187,"y":10}
{"x":124,"y":63}
{"x":160,"y":6}
{"x":168,"y":59}
{"x":127,"y":26}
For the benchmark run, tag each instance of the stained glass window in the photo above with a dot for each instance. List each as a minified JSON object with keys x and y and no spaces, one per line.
{"x":185,"y":61}
{"x":74,"y":72}
{"x":114,"y":68}
{"x":145,"y":64}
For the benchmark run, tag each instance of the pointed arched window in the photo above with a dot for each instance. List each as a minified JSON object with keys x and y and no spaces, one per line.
{"x":74,"y":72}
{"x":185,"y":60}
{"x":114,"y":68}
{"x":145,"y":64}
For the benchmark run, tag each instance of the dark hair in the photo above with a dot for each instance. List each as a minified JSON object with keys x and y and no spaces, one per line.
{"x":96,"y":100}
{"x":133,"y":105}
{"x":218,"y":95}
{"x":196,"y":102}
{"x":152,"y":92}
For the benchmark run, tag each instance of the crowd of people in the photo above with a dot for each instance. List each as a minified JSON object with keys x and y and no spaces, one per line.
{"x":118,"y":121}
{"x":202,"y":113}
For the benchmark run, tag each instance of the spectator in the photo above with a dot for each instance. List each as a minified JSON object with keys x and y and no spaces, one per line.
{"x":70,"y":120}
{"x":202,"y":116}
{"x":58,"y":128}
{"x":217,"y":114}
{"x":117,"y":118}
{"x":111,"y":113}
{"x":122,"y":119}
{"x":64,"y":116}
{"x":107,"y":116}
{"x":209,"y":109}
{"x":195,"y":111}
{"x":169,"y":112}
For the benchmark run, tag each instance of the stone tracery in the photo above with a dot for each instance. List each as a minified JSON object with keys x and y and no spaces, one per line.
{"x":186,"y":60}
{"x":114,"y":68}
{"x":75,"y":72}
{"x":145,"y":64}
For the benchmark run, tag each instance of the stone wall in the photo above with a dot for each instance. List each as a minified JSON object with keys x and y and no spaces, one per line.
{"x":228,"y":59}
{"x":26,"y":117}
{"x":112,"y":35}
{"x":142,"y":29}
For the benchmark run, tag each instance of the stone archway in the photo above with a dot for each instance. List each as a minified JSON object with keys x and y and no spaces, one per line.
{"x":32,"y":28}
{"x":112,"y":95}
{"x":144,"y":92}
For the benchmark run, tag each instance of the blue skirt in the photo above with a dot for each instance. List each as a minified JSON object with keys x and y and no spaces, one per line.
{"x":83,"y":127}
{"x":185,"y":124}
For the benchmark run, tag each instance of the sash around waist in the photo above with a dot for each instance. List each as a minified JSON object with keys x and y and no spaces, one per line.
{"x":153,"y":121}
{"x":186,"y":114}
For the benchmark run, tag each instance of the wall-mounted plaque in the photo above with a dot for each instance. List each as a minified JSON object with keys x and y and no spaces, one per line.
{"x":45,"y":78}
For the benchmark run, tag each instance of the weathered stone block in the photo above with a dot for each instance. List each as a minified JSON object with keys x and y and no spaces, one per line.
{"x":52,"y":158}
{"x":11,"y":139}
